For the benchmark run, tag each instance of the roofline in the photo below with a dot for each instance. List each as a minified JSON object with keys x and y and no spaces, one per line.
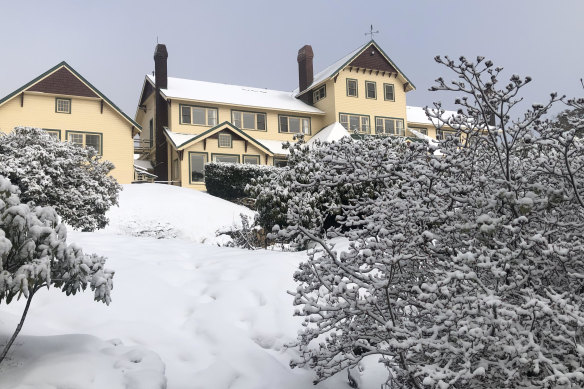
{"x":80,"y":77}
{"x":351,"y":59}
{"x":211,"y":130}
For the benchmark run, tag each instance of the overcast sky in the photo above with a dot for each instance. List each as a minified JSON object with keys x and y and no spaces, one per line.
{"x":255,"y":43}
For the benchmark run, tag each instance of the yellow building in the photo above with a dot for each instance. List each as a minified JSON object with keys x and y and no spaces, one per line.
{"x":188,"y":123}
{"x":65,"y":104}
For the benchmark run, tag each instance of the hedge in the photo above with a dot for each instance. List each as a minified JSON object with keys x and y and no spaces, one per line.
{"x":228,"y":180}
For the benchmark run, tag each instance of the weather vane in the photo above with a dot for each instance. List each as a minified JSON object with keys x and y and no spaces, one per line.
{"x":371,"y":32}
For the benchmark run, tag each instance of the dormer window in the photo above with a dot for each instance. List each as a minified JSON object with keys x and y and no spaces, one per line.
{"x":319,"y":94}
{"x":62,"y":105}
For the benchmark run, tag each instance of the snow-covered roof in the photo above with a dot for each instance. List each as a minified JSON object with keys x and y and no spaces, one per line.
{"x":275,"y":146}
{"x":178,"y":138}
{"x":179,"y":88}
{"x":417,"y":115}
{"x":332,"y":132}
{"x":143,"y":164}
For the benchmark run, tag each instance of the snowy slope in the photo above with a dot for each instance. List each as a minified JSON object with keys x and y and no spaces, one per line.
{"x":190,"y":314}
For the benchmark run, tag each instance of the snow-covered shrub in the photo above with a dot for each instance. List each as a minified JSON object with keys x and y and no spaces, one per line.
{"x":464,"y":270}
{"x":72,"y":179}
{"x":228,"y":180}
{"x":34,"y":254}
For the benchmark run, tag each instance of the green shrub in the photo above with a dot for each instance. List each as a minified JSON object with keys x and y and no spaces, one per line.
{"x":228,"y":180}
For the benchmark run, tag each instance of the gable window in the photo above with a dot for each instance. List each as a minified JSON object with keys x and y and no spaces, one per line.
{"x":251,"y":159}
{"x":352,"y":89}
{"x":85,"y":139}
{"x":226,"y":158}
{"x":62,"y":105}
{"x":249,"y":120}
{"x":199,"y":116}
{"x":389,"y":126}
{"x":319,"y":94}
{"x":388,"y":92}
{"x":421,"y":130}
{"x":370,"y":90}
{"x":294,"y":125}
{"x":225,"y":140}
{"x":355,"y":123}
{"x":197,"y":163}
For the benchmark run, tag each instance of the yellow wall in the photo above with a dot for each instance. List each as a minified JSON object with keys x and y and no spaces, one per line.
{"x":39,"y":111}
{"x":211,"y":148}
{"x":327,"y":105}
{"x":372,"y":107}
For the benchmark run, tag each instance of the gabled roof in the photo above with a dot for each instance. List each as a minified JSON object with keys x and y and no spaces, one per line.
{"x":211,"y":92}
{"x":181,"y":141}
{"x":331,"y":133}
{"x":418,"y":115}
{"x":65,"y":65}
{"x":339,"y":65}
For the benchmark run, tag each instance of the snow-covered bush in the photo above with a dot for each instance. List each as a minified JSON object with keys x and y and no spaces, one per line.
{"x":464,"y":269}
{"x":72,"y":179}
{"x":228,"y":180}
{"x":34,"y":254}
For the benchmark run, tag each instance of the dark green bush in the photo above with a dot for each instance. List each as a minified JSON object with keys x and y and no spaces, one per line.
{"x":228,"y":180}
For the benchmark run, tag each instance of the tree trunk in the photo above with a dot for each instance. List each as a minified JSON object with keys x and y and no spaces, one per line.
{"x":19,"y":327}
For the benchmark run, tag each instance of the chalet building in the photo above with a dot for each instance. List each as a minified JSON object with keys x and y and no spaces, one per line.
{"x":188,"y":123}
{"x":70,"y":108}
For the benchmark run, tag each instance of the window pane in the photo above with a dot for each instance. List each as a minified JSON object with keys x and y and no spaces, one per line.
{"x":198,"y":167}
{"x":186,"y":115}
{"x":354,"y":123}
{"x":224,"y":140}
{"x":352,"y":88}
{"x":306,"y":126}
{"x":226,"y":158}
{"x":283,"y":124}
{"x":212,"y":117}
{"x":236,"y":119}
{"x":294,"y":125}
{"x":371,"y":90}
{"x":249,"y":120}
{"x":379,"y":125}
{"x":400,"y":127}
{"x":389,"y":92}
{"x":199,"y":116}
{"x":252,"y":159}
{"x":344,"y":121}
{"x":92,"y":141}
{"x":364,"y":124}
{"x":261,"y":118}
{"x":76,"y":138}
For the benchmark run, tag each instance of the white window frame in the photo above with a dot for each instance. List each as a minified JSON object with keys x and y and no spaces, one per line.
{"x":241,"y":124}
{"x":304,"y":124}
{"x":356,"y":87}
{"x":225,"y":140}
{"x":385,"y":86}
{"x":205,"y":159}
{"x":364,"y":123}
{"x":374,"y":90}
{"x":398,"y":126}
{"x":207,"y":110}
{"x":214,"y":156}
{"x":82,"y":139}
{"x":61,"y":107}
{"x":319,"y":94}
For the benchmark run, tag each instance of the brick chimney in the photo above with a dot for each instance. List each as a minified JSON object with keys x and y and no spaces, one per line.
{"x":160,"y":71}
{"x":305,"y":71}
{"x":161,"y":112}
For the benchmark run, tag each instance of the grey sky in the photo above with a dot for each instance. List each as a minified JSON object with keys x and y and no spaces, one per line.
{"x":255,"y":42}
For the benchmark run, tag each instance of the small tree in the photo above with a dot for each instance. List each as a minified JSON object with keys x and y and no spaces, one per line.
{"x":34,"y":254}
{"x":72,"y":179}
{"x":464,"y":270}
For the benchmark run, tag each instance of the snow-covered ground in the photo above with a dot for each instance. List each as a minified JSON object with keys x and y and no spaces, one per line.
{"x":184,"y":314}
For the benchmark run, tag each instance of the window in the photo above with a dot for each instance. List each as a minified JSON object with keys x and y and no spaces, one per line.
{"x":446,"y":134}
{"x":389,"y":126}
{"x":388,"y":92}
{"x":54,"y":133}
{"x":85,"y":139}
{"x":421,"y":130}
{"x":294,"y":124}
{"x":251,"y":159}
{"x":355,"y":123}
{"x":175,"y":169}
{"x":197,"y":163}
{"x":352,"y":90}
{"x":62,"y":105}
{"x":370,"y":90}
{"x":226,"y":158}
{"x":199,"y":116}
{"x":249,"y":120}
{"x":280,"y":162}
{"x":319,"y":94}
{"x":225,"y":140}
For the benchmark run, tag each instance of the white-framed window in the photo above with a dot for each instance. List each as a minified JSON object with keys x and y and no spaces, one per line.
{"x":62,"y":105}
{"x":85,"y":139}
{"x":319,"y":94}
{"x":225,"y":140}
{"x":294,"y":124}
{"x":421,"y":130}
{"x":389,"y":126}
{"x":197,"y":163}
{"x":388,"y":92}
{"x":226,"y":158}
{"x":175,"y":169}
{"x":199,"y":116}
{"x":370,"y":89}
{"x":249,"y":120}
{"x":251,"y":159}
{"x":352,"y":87}
{"x":355,"y":123}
